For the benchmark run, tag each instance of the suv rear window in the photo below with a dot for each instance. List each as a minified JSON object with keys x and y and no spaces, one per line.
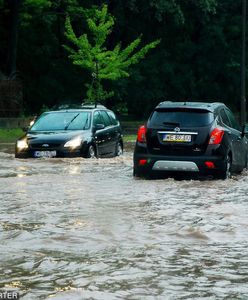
{"x":185,"y":118}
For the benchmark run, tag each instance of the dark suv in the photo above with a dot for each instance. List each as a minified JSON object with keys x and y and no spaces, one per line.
{"x":194,"y":137}
{"x":89,"y":131}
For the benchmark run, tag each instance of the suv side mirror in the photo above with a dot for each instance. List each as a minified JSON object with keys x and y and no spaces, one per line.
{"x":99,"y":126}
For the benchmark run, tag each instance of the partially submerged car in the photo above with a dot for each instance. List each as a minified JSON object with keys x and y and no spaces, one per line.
{"x":88,"y":132}
{"x":191,"y":137}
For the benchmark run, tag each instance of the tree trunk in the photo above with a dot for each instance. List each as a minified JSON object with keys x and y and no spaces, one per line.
{"x":14,"y":26}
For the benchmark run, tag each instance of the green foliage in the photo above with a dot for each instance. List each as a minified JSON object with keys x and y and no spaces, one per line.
{"x":49,"y":10}
{"x":33,"y":7}
{"x":208,"y":5}
{"x":121,"y":108}
{"x":10,"y":135}
{"x":95,"y":92}
{"x":38,"y":4}
{"x":198,"y":57}
{"x":165,"y":7}
{"x":92,"y":54}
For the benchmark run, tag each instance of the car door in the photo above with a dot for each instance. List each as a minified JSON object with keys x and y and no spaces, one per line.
{"x":111,"y":132}
{"x":100,"y":133}
{"x":239,"y":140}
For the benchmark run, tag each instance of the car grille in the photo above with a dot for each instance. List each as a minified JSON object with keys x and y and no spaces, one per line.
{"x":42,"y":146}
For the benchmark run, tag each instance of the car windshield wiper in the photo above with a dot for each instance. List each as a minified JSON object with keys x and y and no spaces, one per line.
{"x":86,"y":122}
{"x":66,"y":127}
{"x":171,"y":123}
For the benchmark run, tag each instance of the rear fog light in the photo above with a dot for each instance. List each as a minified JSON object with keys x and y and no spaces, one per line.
{"x":142,"y":162}
{"x":209,"y":164}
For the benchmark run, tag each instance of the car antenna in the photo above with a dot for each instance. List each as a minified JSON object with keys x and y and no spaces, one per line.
{"x":185,"y":103}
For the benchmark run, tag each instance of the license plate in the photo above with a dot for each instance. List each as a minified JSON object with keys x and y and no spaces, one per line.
{"x":45,"y":153}
{"x":183,"y":138}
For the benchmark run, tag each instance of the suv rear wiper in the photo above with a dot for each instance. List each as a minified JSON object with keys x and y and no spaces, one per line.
{"x":171,"y":123}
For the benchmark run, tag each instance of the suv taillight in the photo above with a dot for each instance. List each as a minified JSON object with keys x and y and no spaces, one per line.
{"x":141,"y":136}
{"x":216,"y":136}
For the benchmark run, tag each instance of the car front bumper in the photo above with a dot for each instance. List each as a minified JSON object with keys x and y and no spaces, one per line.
{"x":51,"y":152}
{"x":47,"y":154}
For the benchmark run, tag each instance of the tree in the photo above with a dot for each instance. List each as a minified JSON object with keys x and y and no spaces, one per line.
{"x":92,"y":54}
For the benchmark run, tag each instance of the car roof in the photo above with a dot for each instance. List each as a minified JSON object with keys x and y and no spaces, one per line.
{"x":81,"y":109}
{"x":210,"y":106}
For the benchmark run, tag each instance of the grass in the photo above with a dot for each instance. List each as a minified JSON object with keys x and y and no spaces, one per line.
{"x":10,"y":135}
{"x":129,"y":137}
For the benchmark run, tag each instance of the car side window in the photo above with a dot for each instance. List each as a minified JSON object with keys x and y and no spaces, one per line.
{"x":97,"y":119}
{"x":106,"y":119}
{"x":234,"y":123}
{"x":224,"y":118}
{"x":112,"y":118}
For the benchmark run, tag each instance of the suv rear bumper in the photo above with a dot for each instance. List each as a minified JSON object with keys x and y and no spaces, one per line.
{"x":148,"y":163}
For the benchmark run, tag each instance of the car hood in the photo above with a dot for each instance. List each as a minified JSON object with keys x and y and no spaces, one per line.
{"x":56,"y":136}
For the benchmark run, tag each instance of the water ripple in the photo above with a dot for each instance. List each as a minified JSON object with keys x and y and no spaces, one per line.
{"x":85,"y":229}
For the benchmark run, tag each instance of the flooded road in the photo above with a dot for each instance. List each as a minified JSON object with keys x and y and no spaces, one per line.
{"x":86,"y":229}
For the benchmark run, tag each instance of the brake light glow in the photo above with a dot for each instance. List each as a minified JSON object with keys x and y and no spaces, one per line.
{"x":142,"y":162}
{"x":141,"y":136}
{"x":216,"y":136}
{"x":209,"y":164}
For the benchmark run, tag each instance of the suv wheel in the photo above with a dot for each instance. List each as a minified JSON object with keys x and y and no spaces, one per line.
{"x":226,"y":173}
{"x":139,"y":174}
{"x":135,"y":173}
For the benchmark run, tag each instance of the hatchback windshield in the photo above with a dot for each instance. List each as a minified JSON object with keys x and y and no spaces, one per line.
{"x":62,"y":121}
{"x":170,"y":118}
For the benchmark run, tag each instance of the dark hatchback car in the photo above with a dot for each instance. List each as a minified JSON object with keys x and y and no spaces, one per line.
{"x":88,"y":132}
{"x":190,"y":138}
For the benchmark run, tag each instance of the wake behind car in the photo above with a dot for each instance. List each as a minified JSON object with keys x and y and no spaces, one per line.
{"x":190,"y":137}
{"x":88,"y":132}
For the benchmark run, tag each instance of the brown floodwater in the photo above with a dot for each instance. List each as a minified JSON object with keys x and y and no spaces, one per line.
{"x":86,"y":229}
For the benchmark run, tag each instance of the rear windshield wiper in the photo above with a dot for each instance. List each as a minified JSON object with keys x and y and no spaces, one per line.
{"x":66,"y":127}
{"x":171,"y":123}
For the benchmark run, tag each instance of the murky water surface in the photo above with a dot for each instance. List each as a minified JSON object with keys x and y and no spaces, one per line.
{"x":86,"y":229}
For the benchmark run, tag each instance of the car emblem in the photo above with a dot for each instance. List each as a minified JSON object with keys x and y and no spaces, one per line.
{"x":45,"y":145}
{"x":177,"y":129}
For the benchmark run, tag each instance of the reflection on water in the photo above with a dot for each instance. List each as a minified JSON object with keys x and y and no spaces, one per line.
{"x":86,"y":229}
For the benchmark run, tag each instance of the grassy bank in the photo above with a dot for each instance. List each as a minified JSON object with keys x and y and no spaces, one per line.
{"x":11,"y":135}
{"x":129,"y":137}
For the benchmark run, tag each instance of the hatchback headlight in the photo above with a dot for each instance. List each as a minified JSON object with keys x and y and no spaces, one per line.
{"x":74,"y":143}
{"x":22,"y":144}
